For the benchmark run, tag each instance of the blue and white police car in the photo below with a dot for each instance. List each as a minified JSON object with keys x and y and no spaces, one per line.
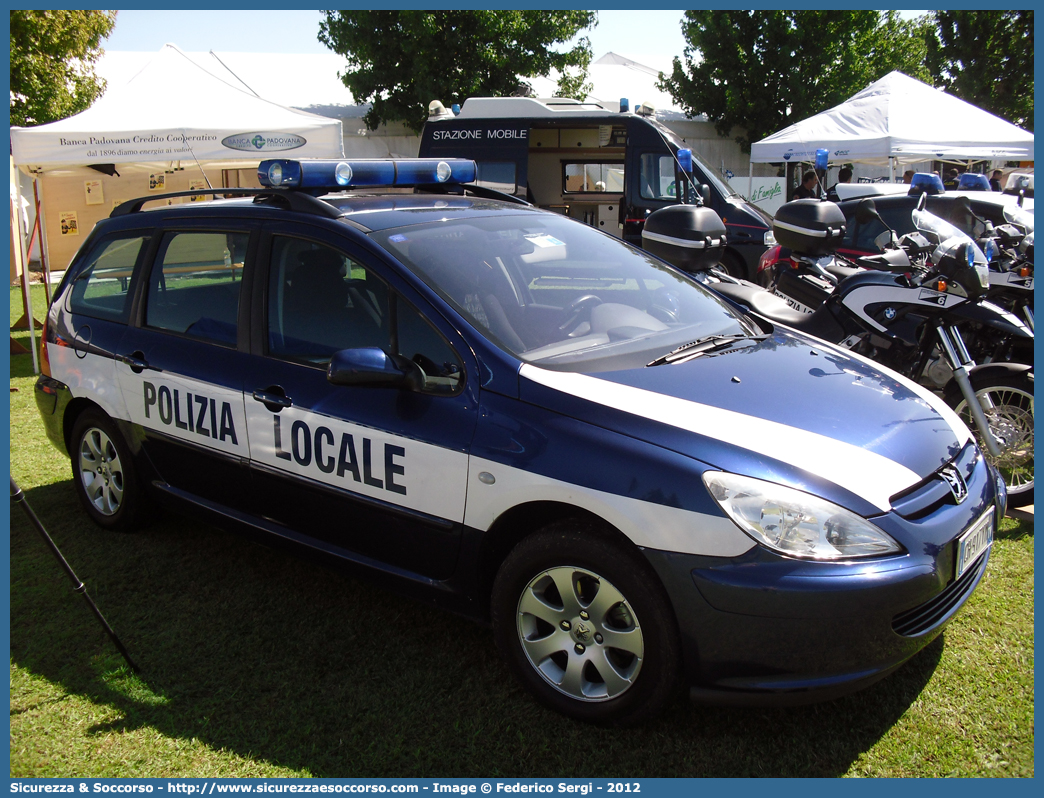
{"x":525,"y":420}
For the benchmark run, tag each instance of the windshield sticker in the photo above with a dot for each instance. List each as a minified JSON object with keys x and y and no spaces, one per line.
{"x":545,"y":240}
{"x":398,"y":238}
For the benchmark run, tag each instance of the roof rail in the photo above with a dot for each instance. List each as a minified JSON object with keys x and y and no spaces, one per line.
{"x":292,"y":200}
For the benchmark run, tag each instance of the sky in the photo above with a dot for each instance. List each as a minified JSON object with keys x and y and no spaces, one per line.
{"x":630,"y":33}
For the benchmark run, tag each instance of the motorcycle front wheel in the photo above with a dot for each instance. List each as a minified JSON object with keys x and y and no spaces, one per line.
{"x":1011,"y":421}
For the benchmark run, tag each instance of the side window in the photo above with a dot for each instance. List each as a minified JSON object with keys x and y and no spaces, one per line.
{"x":593,"y":178}
{"x":657,"y":177}
{"x":194,"y":285}
{"x":321,"y":301}
{"x":102,"y":289}
{"x":497,"y":175}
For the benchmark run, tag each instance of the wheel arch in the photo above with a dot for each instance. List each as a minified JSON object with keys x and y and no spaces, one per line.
{"x":73,"y":411}
{"x":523,"y":520}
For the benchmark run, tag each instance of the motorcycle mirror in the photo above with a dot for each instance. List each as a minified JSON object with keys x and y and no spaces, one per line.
{"x":705,"y":193}
{"x":922,"y":201}
{"x":1022,"y":196}
{"x":866,"y":212}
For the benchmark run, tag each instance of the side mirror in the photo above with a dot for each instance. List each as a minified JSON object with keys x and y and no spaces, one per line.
{"x":922,"y":201}
{"x":704,"y":190}
{"x":373,"y":367}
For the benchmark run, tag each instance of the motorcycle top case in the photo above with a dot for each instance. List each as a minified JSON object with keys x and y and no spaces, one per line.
{"x":809,"y":226}
{"x":691,"y":237}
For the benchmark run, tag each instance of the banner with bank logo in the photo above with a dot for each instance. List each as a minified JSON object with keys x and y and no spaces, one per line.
{"x":177,"y":110}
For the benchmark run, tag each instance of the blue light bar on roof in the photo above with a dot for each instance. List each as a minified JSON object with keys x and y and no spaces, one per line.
{"x":335,"y":175}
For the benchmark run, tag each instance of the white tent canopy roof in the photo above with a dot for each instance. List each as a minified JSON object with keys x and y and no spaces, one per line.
{"x":174,"y":109}
{"x":902,"y":118}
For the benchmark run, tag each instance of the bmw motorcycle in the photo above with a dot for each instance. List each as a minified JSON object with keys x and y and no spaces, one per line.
{"x":993,"y":330}
{"x":907,"y":317}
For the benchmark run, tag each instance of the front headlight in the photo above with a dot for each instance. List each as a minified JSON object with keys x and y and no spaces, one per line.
{"x":795,"y":523}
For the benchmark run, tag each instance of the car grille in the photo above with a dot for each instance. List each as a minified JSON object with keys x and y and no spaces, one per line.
{"x":931,"y":614}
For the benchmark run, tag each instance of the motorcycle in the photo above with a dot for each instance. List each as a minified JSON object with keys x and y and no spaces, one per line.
{"x":906,"y":318}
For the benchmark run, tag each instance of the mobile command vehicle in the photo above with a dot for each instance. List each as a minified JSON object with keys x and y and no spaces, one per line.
{"x":607,"y":168}
{"x":524,"y":420}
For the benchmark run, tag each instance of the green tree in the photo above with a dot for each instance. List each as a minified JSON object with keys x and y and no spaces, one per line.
{"x":986,"y":58}
{"x":52,"y":63}
{"x":402,"y":60}
{"x":764,"y":70}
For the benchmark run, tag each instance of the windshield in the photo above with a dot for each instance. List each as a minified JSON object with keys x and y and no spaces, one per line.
{"x":556,"y":292}
{"x":1013,"y":214}
{"x":934,"y":228}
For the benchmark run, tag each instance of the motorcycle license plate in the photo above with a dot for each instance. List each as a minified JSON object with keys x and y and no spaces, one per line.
{"x":977,"y":538}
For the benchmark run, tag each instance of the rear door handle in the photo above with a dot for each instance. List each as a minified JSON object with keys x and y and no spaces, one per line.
{"x":274,"y":398}
{"x":137,"y":362}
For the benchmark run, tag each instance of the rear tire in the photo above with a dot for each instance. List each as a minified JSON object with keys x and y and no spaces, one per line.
{"x":1011,"y":422}
{"x":103,"y":473}
{"x":585,"y":625}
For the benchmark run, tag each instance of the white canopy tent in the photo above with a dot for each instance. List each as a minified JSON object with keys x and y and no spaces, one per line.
{"x":175,"y":109}
{"x":897,"y":120}
{"x":172,"y":118}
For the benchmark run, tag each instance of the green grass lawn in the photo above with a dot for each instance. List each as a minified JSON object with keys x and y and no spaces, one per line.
{"x":258,"y":664}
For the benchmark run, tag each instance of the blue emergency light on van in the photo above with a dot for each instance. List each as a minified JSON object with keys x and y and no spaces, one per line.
{"x":364,"y":173}
{"x":685,"y":160}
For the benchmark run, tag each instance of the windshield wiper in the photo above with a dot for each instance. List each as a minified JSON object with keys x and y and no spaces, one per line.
{"x":702,"y":346}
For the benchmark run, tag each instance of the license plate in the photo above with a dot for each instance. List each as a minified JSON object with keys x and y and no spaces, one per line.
{"x":974,"y":542}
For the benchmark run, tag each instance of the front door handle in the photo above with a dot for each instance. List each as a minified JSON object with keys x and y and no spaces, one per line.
{"x":274,"y":398}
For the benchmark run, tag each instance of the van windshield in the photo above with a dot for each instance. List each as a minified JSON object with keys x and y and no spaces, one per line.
{"x":559,"y":293}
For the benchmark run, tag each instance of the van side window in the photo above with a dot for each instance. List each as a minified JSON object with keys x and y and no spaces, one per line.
{"x":194,"y":286}
{"x":102,"y":289}
{"x":497,"y":175}
{"x":657,"y":177}
{"x":592,"y":178}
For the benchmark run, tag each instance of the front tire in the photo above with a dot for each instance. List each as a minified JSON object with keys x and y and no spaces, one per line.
{"x":585,"y":625}
{"x":104,"y":475}
{"x":1011,"y":422}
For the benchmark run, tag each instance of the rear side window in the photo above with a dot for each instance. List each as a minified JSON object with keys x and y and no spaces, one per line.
{"x":102,"y":289}
{"x":194,"y":286}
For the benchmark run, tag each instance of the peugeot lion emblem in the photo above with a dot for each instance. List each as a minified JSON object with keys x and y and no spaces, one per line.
{"x":953,"y":478}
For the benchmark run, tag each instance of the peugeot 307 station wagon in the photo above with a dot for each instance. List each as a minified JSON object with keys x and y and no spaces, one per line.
{"x":524,"y":419}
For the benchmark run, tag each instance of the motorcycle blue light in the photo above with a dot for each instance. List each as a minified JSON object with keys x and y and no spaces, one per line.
{"x":973,"y":182}
{"x":990,"y":250}
{"x":927,"y":183}
{"x":822,"y":158}
{"x":625,"y":105}
{"x":970,"y":253}
{"x":685,"y":160}
{"x":364,"y":173}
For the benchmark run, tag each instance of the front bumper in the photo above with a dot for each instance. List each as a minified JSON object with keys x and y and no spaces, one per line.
{"x":765,"y":629}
